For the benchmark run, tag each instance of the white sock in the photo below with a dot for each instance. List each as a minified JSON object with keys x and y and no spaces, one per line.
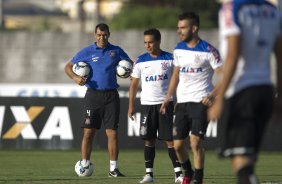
{"x":149,"y":170}
{"x":113,"y":165}
{"x":177,"y":169}
{"x":85,"y":162}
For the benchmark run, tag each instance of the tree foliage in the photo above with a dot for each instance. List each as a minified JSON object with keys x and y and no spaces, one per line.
{"x":163,"y":13}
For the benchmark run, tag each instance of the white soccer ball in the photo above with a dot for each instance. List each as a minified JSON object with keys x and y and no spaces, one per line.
{"x":81,"y":69}
{"x":84,"y":169}
{"x":124,"y":69}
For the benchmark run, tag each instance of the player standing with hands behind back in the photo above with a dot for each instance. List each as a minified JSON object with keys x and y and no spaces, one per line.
{"x":249,"y":31}
{"x":101,"y":101}
{"x":195,"y":61}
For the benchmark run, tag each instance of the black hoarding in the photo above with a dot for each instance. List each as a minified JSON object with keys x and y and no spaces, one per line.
{"x":54,"y":123}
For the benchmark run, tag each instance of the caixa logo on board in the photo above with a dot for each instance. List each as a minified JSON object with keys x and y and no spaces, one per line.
{"x":16,"y":121}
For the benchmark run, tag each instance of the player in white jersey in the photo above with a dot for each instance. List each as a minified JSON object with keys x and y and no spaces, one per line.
{"x":249,"y":31}
{"x":154,"y":69}
{"x":195,"y":61}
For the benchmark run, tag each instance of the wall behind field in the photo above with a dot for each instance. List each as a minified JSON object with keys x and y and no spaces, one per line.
{"x":29,"y":57}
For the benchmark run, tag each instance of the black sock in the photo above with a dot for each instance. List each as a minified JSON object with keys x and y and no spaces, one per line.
{"x":174,"y":160}
{"x":149,"y":155}
{"x":187,"y":168}
{"x":246,"y":175}
{"x":198,"y":176}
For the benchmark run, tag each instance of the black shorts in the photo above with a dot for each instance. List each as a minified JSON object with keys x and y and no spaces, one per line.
{"x":101,"y":107}
{"x":154,"y":125}
{"x":243,"y":121}
{"x":192,"y":117}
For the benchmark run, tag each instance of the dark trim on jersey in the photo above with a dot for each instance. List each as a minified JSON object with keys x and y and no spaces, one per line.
{"x":239,"y":3}
{"x":202,"y":46}
{"x":86,"y":52}
{"x":147,"y":57}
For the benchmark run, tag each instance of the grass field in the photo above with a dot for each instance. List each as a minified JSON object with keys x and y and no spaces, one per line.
{"x":57,"y":167}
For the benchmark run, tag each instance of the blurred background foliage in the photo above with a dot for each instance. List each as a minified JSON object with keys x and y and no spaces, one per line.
{"x":142,"y":14}
{"x":83,"y":15}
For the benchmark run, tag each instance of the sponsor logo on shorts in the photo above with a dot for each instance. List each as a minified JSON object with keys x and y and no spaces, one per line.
{"x":174,"y":131}
{"x":143,"y":130}
{"x":87,"y":121}
{"x":201,"y":132}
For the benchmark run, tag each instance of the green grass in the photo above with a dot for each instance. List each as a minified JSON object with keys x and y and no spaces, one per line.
{"x":57,"y":167}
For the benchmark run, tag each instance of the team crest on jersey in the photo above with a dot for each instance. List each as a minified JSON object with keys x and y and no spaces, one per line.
{"x":113,"y":53}
{"x":197,"y":58}
{"x":164,"y":65}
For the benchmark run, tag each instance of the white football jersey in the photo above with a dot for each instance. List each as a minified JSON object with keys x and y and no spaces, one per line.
{"x":196,"y":70}
{"x":155,"y":74}
{"x":259,"y":26}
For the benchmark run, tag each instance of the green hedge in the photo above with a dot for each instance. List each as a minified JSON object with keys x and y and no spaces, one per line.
{"x":142,"y":17}
{"x":145,"y":17}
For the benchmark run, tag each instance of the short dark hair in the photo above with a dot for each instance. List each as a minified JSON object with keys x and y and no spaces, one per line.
{"x":191,"y":16}
{"x":155,"y":32}
{"x":102,"y":27}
